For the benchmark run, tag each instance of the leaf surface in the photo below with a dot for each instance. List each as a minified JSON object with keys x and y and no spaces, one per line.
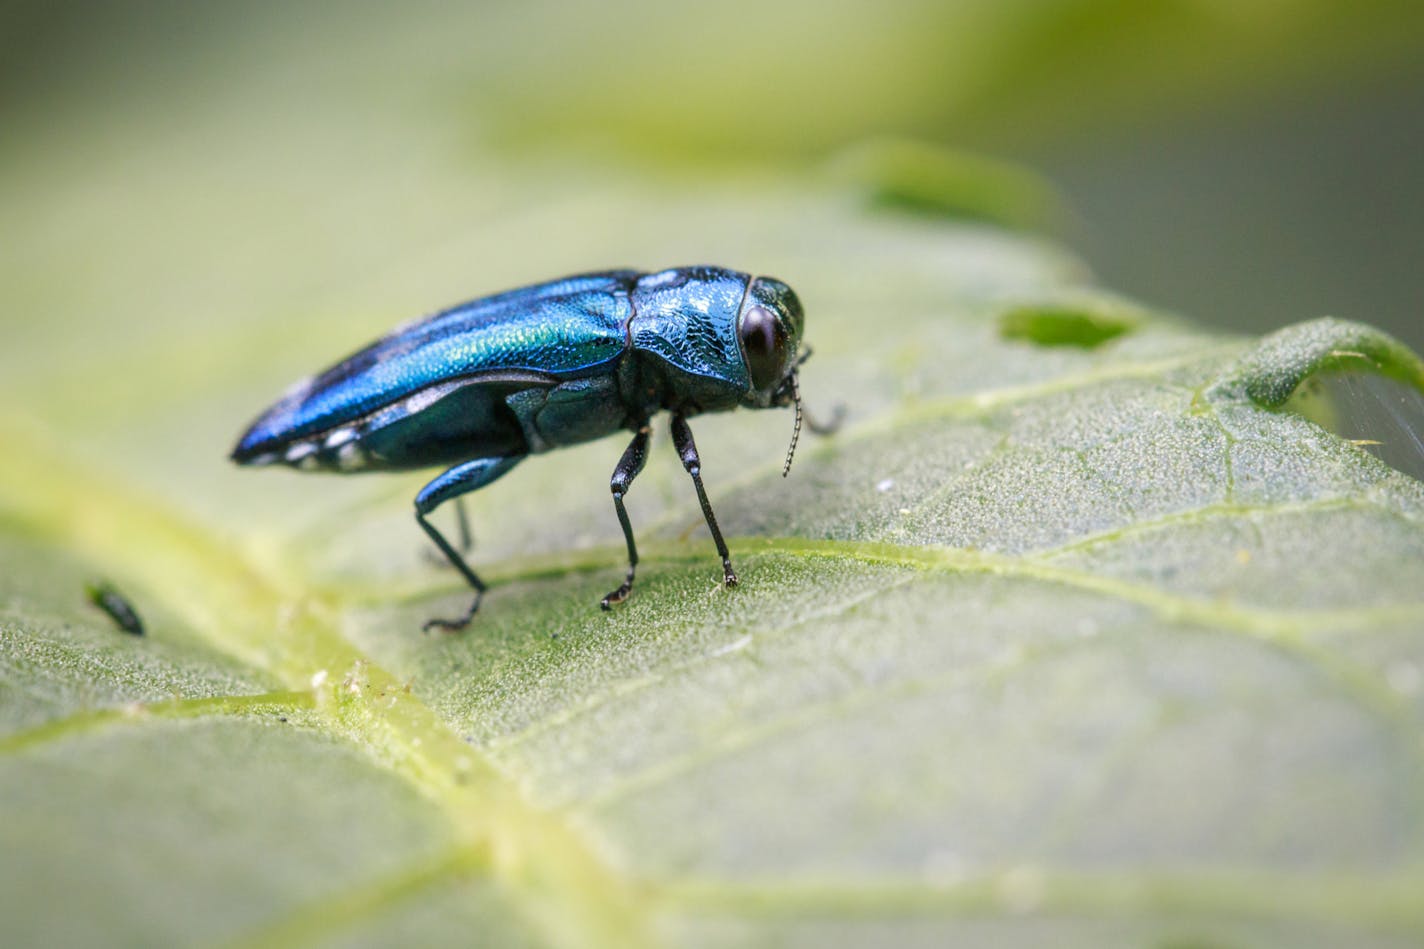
{"x":1072,"y":636}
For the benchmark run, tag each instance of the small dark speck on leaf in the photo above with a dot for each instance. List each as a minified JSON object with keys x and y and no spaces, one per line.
{"x":107,"y":598}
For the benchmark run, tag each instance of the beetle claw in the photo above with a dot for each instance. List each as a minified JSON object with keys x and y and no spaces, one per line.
{"x":444,"y":625}
{"x":453,"y":625}
{"x":618,"y":595}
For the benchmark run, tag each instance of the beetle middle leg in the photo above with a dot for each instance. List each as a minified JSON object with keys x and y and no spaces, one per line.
{"x":459,"y":480}
{"x":687,"y":451}
{"x":628,"y":467}
{"x":466,"y":538}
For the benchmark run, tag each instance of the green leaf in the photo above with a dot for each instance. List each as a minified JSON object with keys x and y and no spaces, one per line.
{"x":1071,"y":637}
{"x":1050,"y":636}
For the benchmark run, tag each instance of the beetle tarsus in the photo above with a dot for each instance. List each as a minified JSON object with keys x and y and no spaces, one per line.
{"x":454,"y":625}
{"x":620,"y":594}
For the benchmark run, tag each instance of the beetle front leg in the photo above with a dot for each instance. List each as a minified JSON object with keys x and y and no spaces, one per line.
{"x":687,"y":451}
{"x":628,"y":467}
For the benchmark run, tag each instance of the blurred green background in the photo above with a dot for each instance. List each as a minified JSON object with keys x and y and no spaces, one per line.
{"x":1248,"y":163}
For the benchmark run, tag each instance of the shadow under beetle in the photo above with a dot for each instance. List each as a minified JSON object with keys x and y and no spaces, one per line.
{"x":481,"y":385}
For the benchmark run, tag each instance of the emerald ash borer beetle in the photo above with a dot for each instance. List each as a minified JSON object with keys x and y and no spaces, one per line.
{"x":480,"y":386}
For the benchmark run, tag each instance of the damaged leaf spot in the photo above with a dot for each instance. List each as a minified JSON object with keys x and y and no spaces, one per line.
{"x":1058,"y":325}
{"x":1275,"y":367}
{"x":1349,"y":378}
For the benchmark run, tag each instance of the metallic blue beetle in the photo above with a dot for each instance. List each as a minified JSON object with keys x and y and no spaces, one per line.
{"x":481,"y":385}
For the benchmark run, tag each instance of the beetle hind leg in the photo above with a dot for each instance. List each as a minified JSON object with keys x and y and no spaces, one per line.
{"x":464,"y":543}
{"x":457,"y":481}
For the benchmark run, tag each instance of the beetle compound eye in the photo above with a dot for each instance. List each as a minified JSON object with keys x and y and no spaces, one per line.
{"x":764,"y":343}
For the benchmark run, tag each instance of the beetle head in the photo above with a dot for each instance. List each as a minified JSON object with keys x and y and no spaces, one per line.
{"x":769,"y":331}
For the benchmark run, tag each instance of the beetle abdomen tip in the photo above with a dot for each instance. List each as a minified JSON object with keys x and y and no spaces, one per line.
{"x":338,"y":450}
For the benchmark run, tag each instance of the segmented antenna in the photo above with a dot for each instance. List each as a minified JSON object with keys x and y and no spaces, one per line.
{"x":795,"y":432}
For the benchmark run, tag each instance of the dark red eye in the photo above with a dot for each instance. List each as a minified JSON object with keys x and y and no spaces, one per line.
{"x":764,"y":344}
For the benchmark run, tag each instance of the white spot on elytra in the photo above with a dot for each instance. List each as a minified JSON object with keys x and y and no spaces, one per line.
{"x":300,"y":450}
{"x":298,"y":389}
{"x":266,"y":458}
{"x":340,"y":436}
{"x":350,"y":456}
{"x":425,"y":398}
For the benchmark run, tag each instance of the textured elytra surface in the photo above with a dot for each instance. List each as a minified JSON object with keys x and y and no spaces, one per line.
{"x":1054,"y":644}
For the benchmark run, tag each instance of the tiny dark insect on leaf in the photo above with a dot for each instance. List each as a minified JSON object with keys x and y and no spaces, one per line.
{"x":107,"y":598}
